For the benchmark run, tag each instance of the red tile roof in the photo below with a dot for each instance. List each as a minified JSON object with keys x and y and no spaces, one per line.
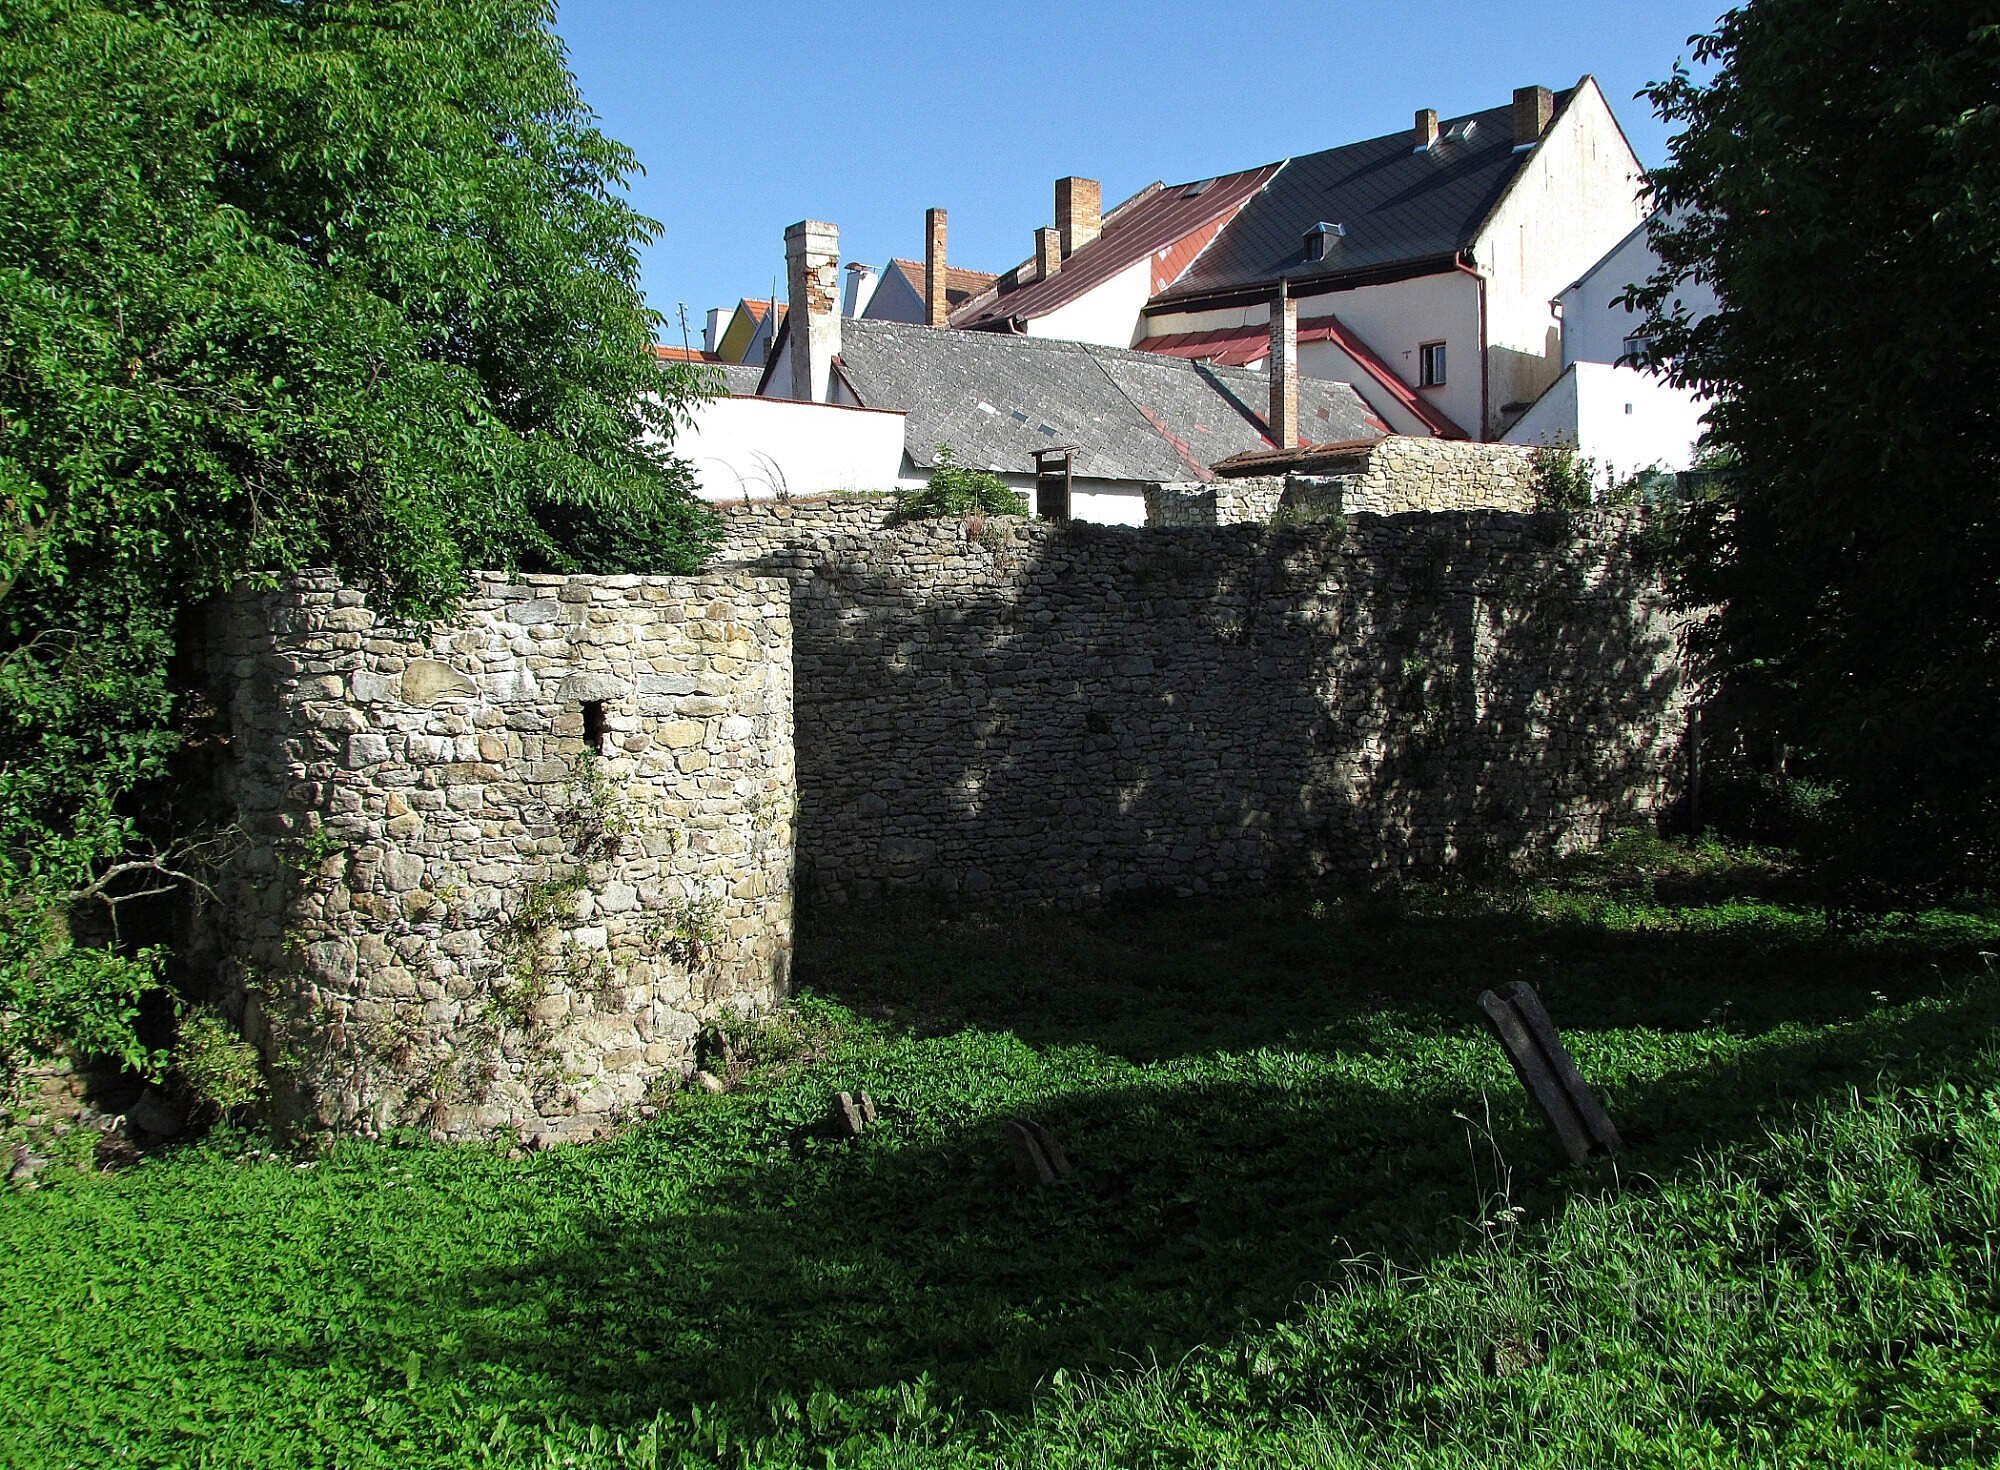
{"x":683,"y":354}
{"x":1155,"y":223}
{"x":1240,"y":346}
{"x":960,"y":284}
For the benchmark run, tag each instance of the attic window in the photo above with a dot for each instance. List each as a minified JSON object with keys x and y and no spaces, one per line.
{"x":1320,"y":238}
{"x":1462,"y":131}
{"x":1200,"y":186}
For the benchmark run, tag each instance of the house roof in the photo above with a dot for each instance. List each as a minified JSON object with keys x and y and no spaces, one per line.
{"x":1150,"y":223}
{"x":1400,"y":208}
{"x":683,"y":354}
{"x":960,"y":284}
{"x":740,"y":379}
{"x":996,"y":398}
{"x":1236,"y":346}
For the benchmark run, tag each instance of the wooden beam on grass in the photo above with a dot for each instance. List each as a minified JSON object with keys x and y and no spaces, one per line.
{"x":1543,"y":1064}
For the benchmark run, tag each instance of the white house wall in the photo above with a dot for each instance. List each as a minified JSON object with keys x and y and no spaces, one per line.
{"x":1596,"y":321}
{"x":1625,"y":419}
{"x":758,"y":448}
{"x":894,"y":301}
{"x":1395,"y":320}
{"x":1577,"y":195}
{"x":1107,"y":315}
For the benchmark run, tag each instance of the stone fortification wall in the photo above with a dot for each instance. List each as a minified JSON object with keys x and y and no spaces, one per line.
{"x":1393,"y":476}
{"x":1403,"y":473}
{"x":502,"y":867}
{"x":1180,"y":505}
{"x":753,"y":529}
{"x":1023,"y":712}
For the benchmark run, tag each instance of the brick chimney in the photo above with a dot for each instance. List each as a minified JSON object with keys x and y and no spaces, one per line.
{"x":812,"y":277}
{"x":1283,"y":368}
{"x":1425,"y":134}
{"x":937,"y":288}
{"x":1048,"y":252}
{"x":1534,"y":108}
{"x":1079,"y":213}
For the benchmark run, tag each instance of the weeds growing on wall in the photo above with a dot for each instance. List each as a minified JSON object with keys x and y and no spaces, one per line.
{"x":955,"y":490}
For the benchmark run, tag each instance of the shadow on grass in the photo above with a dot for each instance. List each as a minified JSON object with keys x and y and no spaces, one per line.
{"x":1150,"y":980}
{"x":1207,"y":1198}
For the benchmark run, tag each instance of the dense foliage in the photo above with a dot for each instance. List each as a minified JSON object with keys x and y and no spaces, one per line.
{"x":1838,"y":183}
{"x":957,"y":490}
{"x":1313,"y":1220}
{"x":282,"y":282}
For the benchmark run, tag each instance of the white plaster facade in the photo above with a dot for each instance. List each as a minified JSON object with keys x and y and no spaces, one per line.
{"x":1623,"y":418}
{"x":758,"y":448}
{"x":1108,"y":315}
{"x":1626,"y":418}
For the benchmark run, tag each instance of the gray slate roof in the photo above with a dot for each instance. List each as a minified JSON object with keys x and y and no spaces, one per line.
{"x":1398,"y":207}
{"x":739,"y":379}
{"x":996,"y":398}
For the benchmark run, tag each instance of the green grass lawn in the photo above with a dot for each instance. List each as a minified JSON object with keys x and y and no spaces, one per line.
{"x":1312,"y":1222}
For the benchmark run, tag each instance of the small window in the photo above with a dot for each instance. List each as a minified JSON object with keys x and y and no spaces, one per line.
{"x":1321,"y":237}
{"x":1430,"y":365}
{"x":1634,"y":350}
{"x":596,"y":728}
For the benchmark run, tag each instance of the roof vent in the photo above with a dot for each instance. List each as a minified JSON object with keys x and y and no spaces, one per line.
{"x":1320,"y":238}
{"x":1462,"y":131}
{"x":1200,"y":186}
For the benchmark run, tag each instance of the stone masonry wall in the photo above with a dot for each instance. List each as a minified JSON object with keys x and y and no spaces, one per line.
{"x":1404,"y":473}
{"x":1020,"y":712}
{"x":501,"y":868}
{"x":1393,"y":476}
{"x":753,"y":529}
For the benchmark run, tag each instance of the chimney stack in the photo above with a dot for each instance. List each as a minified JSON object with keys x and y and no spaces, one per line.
{"x":1048,"y":252}
{"x":1284,"y":369}
{"x":716,"y":324}
{"x":1425,"y":134}
{"x":861,"y":283}
{"x":1079,"y":213}
{"x":937,"y":295}
{"x":812,"y":277}
{"x":1534,"y":108}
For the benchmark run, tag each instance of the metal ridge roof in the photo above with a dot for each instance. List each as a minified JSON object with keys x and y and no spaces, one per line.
{"x":1396,"y":204}
{"x":1152,"y":222}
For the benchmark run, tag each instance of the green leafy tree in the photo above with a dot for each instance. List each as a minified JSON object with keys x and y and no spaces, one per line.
{"x":282,"y":283}
{"x":1837,"y":182}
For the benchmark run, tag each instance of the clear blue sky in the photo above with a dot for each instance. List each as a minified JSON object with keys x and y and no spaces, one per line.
{"x":750,"y":114}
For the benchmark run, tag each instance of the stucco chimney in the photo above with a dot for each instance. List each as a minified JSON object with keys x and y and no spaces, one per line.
{"x":861,"y":283}
{"x":937,"y":286}
{"x":1534,"y":107}
{"x":1425,"y":133}
{"x":1284,"y":369}
{"x":1048,"y":252}
{"x":812,"y":277}
{"x":1079,"y":213}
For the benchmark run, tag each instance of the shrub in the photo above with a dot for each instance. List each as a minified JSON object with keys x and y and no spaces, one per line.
{"x":955,"y":490}
{"x":1561,"y":479}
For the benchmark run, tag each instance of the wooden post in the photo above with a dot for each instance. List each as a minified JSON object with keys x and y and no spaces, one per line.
{"x":1546,"y":1070}
{"x":1053,"y":482}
